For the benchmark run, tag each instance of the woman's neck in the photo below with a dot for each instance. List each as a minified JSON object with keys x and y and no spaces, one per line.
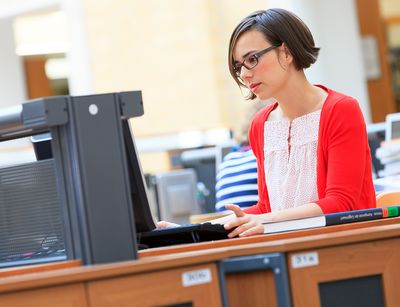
{"x":299,"y":97}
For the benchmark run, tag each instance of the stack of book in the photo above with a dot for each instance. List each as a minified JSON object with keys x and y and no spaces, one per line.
{"x":331,"y":219}
{"x":389,"y":155}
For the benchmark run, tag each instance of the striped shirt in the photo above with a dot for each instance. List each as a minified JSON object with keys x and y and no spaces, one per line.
{"x":237,"y":180}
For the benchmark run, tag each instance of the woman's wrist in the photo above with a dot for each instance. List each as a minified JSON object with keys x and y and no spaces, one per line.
{"x":268,"y":217}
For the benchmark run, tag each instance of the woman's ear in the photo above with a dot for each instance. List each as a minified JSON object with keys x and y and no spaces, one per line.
{"x":288,"y":55}
{"x":285,"y":56}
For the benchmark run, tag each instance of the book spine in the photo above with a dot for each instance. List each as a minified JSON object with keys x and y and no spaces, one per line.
{"x":361,"y":215}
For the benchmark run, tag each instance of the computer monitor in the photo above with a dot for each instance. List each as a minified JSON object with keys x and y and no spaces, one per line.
{"x":392,"y":126}
{"x":141,"y":208}
{"x":143,"y":217}
{"x":176,"y":194}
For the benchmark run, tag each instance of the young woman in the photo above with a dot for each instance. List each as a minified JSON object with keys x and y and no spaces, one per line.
{"x":311,"y":144}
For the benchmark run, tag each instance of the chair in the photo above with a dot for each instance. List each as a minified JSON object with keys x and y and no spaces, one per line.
{"x":388,"y":198}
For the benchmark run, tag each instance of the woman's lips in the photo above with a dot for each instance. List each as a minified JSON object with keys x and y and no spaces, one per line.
{"x":254,"y":86}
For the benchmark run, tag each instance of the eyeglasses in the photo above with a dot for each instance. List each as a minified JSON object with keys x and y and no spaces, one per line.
{"x":251,"y":61}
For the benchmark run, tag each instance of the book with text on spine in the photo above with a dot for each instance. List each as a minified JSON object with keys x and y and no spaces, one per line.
{"x":331,"y":219}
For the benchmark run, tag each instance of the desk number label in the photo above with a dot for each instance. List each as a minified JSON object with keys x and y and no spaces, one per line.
{"x":304,"y":260}
{"x":198,"y":277}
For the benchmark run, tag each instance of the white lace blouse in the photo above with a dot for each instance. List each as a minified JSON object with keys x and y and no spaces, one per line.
{"x":290,"y":152}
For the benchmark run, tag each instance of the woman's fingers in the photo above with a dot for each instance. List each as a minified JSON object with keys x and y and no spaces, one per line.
{"x":241,"y":228}
{"x":246,"y":230}
{"x":256,"y":230}
{"x":236,"y":222}
{"x":236,"y":209}
{"x":164,"y":224}
{"x":240,"y":219}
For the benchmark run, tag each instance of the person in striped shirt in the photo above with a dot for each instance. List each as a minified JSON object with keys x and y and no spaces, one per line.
{"x":237,"y":179}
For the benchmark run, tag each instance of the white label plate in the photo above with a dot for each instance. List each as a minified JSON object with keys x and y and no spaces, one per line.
{"x":198,"y":277}
{"x":304,"y":260}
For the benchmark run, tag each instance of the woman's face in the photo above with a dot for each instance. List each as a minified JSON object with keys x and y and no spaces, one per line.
{"x":268,"y":76}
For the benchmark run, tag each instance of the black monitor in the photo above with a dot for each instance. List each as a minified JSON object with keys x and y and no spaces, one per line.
{"x":143,"y":217}
{"x":141,"y":208}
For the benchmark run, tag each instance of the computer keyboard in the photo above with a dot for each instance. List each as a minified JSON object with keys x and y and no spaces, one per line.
{"x":190,"y":233}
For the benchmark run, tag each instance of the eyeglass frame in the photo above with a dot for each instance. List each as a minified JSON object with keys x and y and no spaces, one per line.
{"x":256,"y":55}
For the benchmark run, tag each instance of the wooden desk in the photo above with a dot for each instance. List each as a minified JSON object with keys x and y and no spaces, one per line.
{"x":263,"y":238}
{"x":361,"y":274}
{"x":344,"y":255}
{"x":150,"y":282}
{"x":351,"y":252}
{"x":39,"y":268}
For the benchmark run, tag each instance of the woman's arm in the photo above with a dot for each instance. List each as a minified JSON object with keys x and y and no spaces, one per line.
{"x":251,"y":224}
{"x":344,"y":173}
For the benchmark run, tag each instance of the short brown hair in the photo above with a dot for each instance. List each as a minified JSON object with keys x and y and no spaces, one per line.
{"x":278,"y":26}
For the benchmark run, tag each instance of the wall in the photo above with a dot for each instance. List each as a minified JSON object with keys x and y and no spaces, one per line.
{"x":175,"y":52}
{"x":172,"y":51}
{"x":390,"y":8}
{"x":12,"y":83}
{"x":335,"y":30}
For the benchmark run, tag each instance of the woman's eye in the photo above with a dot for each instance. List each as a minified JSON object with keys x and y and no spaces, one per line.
{"x":252,"y":60}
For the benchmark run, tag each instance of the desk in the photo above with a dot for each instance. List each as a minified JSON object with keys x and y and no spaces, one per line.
{"x":352,"y":253}
{"x":234,"y":282}
{"x":264,"y":238}
{"x":337,"y":266}
{"x":150,"y":282}
{"x":341,"y":255}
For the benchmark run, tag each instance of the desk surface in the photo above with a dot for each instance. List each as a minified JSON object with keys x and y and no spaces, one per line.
{"x":263,"y":238}
{"x":197,"y":257}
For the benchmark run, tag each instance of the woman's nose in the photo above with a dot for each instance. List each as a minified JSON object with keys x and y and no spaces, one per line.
{"x":245,"y":73}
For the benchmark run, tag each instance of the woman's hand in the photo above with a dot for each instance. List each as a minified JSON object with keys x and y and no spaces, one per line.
{"x":246,"y":224}
{"x":165,"y":224}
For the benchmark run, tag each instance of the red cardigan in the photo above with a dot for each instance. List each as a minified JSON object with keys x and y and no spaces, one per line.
{"x":344,"y":175}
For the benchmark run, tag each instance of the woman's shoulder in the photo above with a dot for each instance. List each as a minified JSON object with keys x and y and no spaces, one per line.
{"x":337,"y":98}
{"x":339,"y":104}
{"x":341,"y":108}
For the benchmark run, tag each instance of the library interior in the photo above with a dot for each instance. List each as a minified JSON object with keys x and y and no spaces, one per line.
{"x":99,"y":146}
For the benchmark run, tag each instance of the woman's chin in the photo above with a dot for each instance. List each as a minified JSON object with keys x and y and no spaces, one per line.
{"x":263,"y":96}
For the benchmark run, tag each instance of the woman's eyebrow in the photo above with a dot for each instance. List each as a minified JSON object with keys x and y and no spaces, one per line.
{"x":245,"y":55}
